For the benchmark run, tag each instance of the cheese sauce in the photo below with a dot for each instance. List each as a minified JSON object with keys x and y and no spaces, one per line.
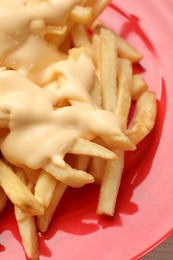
{"x":40,"y":129}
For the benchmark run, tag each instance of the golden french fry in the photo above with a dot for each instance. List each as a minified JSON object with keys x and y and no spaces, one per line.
{"x":3,"y":200}
{"x":28,"y":234}
{"x":44,"y":220}
{"x":59,"y":39}
{"x":96,"y":45}
{"x":120,"y":141}
{"x":139,"y":86}
{"x":110,"y":185}
{"x":27,"y":227}
{"x":44,"y":188}
{"x":108,"y":69}
{"x":124,"y":89}
{"x":69,"y":176}
{"x":81,"y":15}
{"x":19,"y":194}
{"x":144,"y":118}
{"x":85,"y":147}
{"x":98,"y":6}
{"x":75,"y":53}
{"x":80,"y":37}
{"x":125,"y":50}
{"x":95,"y":93}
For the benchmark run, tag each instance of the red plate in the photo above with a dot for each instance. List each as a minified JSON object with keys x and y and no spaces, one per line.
{"x":144,"y":215}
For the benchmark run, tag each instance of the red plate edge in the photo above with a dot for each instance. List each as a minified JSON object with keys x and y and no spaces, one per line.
{"x":138,"y":8}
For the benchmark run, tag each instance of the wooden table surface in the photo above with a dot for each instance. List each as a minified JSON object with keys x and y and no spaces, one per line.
{"x":162,"y":252}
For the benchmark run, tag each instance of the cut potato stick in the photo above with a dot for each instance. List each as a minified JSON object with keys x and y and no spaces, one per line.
{"x":44,"y":188}
{"x":144,"y":118}
{"x":120,"y":141}
{"x":85,"y":147}
{"x":95,"y":93}
{"x":80,"y":37}
{"x":28,"y":234}
{"x":3,"y":200}
{"x":98,"y":6}
{"x":18,"y":192}
{"x":110,"y":185}
{"x":82,"y":15}
{"x":96,"y":50}
{"x":124,"y":89}
{"x":108,"y":69}
{"x":125,"y":50}
{"x":44,"y":220}
{"x":27,"y":229}
{"x":69,"y":176}
{"x":139,"y":86}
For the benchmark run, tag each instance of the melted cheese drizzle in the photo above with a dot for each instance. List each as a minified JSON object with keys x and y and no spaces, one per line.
{"x":39,"y":129}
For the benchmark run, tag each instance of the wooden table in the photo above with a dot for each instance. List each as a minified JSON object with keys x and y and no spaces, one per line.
{"x":162,"y":252}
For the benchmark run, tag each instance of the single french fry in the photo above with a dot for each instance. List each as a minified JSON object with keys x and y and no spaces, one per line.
{"x":43,"y":221}
{"x":95,"y":93}
{"x":139,"y":86}
{"x":110,"y":185}
{"x":3,"y":200}
{"x":59,"y":39}
{"x":80,"y":37}
{"x":81,"y":15}
{"x":108,"y":69}
{"x":124,"y":89}
{"x":85,"y":147}
{"x":18,"y":192}
{"x":75,"y":53}
{"x":125,"y":50}
{"x":98,"y":6}
{"x":69,"y":176}
{"x":120,"y":141}
{"x":96,"y":45}
{"x":44,"y":188}
{"x":28,"y":234}
{"x":27,"y":228}
{"x":144,"y":117}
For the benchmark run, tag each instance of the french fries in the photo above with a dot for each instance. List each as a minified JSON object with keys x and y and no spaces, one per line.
{"x":69,"y":176}
{"x":138,"y":86}
{"x":19,"y":194}
{"x":82,"y":15}
{"x":27,"y":227}
{"x":144,"y":118}
{"x":90,"y":158}
{"x":43,"y":221}
{"x":108,"y":69}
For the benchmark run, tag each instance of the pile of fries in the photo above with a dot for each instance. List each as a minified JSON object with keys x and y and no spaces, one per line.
{"x":36,"y":193}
